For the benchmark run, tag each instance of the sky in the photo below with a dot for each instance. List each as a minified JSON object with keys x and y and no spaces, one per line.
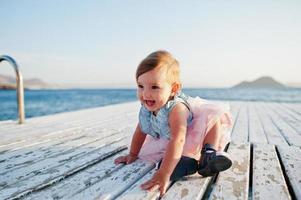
{"x":92,"y":44}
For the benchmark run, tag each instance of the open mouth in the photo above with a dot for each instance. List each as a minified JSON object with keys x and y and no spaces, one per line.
{"x":150,"y":103}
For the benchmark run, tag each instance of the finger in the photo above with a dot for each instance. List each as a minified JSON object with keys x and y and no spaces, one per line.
{"x":148,"y":184}
{"x":151,"y":187}
{"x":163,"y":189}
{"x":116,"y":161}
{"x":145,"y":185}
{"x":154,"y":187}
{"x":131,"y":161}
{"x":120,"y":160}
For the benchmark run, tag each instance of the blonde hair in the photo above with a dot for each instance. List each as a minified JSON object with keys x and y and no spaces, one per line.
{"x":161,"y":59}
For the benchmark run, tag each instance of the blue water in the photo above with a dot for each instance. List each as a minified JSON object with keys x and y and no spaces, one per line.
{"x":45,"y":102}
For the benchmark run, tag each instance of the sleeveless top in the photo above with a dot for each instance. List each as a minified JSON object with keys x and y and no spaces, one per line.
{"x":158,"y":125}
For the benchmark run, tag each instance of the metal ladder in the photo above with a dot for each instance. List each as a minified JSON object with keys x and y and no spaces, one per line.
{"x":20,"y":88}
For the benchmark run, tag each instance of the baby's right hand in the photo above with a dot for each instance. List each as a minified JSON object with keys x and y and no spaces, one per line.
{"x":128,"y":159}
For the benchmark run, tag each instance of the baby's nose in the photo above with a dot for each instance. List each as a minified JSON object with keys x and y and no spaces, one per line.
{"x":146,"y":94}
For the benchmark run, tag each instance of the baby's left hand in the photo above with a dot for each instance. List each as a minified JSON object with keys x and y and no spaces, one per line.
{"x":160,"y":180}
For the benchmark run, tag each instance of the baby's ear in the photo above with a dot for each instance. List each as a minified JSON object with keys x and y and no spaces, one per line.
{"x":175,"y":88}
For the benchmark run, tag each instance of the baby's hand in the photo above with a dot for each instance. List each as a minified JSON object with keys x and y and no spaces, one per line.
{"x":159,"y":180}
{"x":128,"y":159}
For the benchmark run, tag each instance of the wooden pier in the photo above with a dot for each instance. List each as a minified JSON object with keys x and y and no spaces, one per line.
{"x":70,"y":156}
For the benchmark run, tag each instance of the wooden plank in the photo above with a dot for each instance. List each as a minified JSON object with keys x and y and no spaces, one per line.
{"x":121,"y":180}
{"x":63,"y":145}
{"x":27,"y":142}
{"x":295,"y":107}
{"x":290,"y":157}
{"x":81,"y":181}
{"x":240,"y":130}
{"x":52,"y":170}
{"x":80,"y":147}
{"x":256,"y":131}
{"x":234,"y":107}
{"x":7,"y":123}
{"x":190,"y":187}
{"x":234,"y":182}
{"x":234,"y":110}
{"x":36,"y":132}
{"x":268,"y":180}
{"x":274,"y":136}
{"x":291,"y":136}
{"x":41,"y":123}
{"x":291,"y":118}
{"x":22,"y":141}
{"x":291,"y":111}
{"x":67,"y":121}
{"x":86,"y":172}
{"x":136,"y":193}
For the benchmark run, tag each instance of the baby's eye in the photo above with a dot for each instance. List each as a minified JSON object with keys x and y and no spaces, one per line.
{"x":155,"y":87}
{"x":140,"y":86}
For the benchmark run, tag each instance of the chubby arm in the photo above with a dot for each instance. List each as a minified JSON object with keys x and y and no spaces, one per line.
{"x":136,"y":144}
{"x":178,"y":127}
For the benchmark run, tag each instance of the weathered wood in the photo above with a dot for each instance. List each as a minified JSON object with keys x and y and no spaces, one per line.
{"x":291,"y":118}
{"x":294,"y":107}
{"x":125,"y":177}
{"x":293,"y":113}
{"x":291,"y":159}
{"x":256,"y":131}
{"x":80,"y":147}
{"x":37,"y":133}
{"x":70,"y":156}
{"x":136,"y":193}
{"x":39,"y":175}
{"x":268,"y":179}
{"x":234,"y":109}
{"x":116,"y":124}
{"x":286,"y":130}
{"x":240,"y":132}
{"x":67,"y":121}
{"x":79,"y":181}
{"x":274,"y":136}
{"x":234,"y":182}
{"x":36,"y":153}
{"x":191,"y":187}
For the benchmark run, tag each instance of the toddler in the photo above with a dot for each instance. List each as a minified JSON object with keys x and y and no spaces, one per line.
{"x":184,"y":134}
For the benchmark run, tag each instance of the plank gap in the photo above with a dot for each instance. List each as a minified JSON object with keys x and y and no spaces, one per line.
{"x":209,"y":188}
{"x":279,"y":129}
{"x":286,"y":178}
{"x":213,"y":180}
{"x":250,"y":195}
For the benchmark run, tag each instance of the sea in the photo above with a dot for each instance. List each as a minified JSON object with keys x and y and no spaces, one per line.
{"x":47,"y":102}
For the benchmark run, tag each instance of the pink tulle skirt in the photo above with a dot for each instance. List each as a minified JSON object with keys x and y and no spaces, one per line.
{"x":205,"y":115}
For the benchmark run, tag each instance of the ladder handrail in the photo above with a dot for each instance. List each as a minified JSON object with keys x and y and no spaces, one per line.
{"x":20,"y":88}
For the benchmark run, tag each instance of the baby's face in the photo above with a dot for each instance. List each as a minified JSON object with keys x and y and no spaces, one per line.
{"x":154,"y":90}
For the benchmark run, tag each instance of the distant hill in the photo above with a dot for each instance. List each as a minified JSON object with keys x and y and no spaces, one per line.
{"x":9,"y":82}
{"x":262,"y":82}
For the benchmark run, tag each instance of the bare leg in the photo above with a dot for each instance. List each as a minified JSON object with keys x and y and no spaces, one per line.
{"x":213,"y":136}
{"x":211,"y":161}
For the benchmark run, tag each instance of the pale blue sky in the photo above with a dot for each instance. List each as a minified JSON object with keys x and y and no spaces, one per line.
{"x":100,"y":43}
